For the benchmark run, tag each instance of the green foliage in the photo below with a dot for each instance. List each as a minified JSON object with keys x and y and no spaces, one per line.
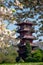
{"x":9,"y":59}
{"x":28,"y":47}
{"x":28,"y":52}
{"x":42,"y":54}
{"x":2,"y":56}
{"x":39,"y":63}
{"x":21,"y":60}
{"x":9,"y":56}
{"x":37,"y":56}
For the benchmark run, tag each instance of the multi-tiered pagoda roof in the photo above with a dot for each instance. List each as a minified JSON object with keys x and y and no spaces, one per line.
{"x":27,"y":37}
{"x":26,"y":27}
{"x":25,"y":30}
{"x":26,"y":23}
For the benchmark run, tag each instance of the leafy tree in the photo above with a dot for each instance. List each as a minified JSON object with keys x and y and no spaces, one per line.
{"x":27,"y":54}
{"x":37,"y":56}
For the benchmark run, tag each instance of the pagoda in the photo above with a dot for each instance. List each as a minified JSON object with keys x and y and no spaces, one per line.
{"x":25,"y":30}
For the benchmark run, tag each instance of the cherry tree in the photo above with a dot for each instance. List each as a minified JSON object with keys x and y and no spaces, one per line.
{"x":6,"y":36}
{"x":19,"y":10}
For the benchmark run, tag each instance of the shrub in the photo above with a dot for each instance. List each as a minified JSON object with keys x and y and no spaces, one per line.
{"x":2,"y":57}
{"x":37,"y":56}
{"x":12,"y":54}
{"x":9,"y":57}
{"x":42,"y":54}
{"x":28,"y":52}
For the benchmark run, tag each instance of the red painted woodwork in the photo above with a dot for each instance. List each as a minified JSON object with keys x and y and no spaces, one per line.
{"x":25,"y":30}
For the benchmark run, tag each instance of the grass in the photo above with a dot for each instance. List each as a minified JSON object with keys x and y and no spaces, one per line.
{"x":39,"y":63}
